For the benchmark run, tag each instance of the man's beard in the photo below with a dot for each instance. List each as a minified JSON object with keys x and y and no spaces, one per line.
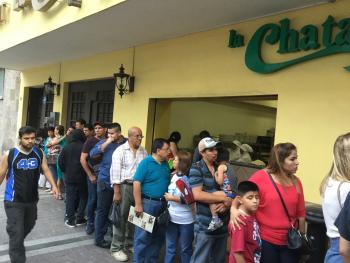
{"x":28,"y":148}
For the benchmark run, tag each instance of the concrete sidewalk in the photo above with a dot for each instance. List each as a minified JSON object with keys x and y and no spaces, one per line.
{"x":51,"y":241}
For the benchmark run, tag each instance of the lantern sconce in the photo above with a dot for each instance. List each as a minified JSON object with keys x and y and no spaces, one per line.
{"x":51,"y":87}
{"x":124,"y":83}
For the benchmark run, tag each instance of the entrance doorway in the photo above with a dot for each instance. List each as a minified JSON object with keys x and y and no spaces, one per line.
{"x":91,"y":100}
{"x":39,"y":107}
{"x":250,"y":120}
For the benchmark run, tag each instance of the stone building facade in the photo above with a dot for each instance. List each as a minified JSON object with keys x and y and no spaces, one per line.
{"x":9,"y":110}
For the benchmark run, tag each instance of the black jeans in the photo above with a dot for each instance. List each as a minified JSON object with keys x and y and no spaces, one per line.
{"x":74,"y":193}
{"x":271,"y":253}
{"x":21,"y":219}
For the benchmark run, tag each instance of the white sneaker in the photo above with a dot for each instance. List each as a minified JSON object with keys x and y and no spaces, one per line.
{"x":120,"y":256}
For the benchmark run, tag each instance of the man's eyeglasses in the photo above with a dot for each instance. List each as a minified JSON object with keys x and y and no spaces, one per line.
{"x":138,"y":136}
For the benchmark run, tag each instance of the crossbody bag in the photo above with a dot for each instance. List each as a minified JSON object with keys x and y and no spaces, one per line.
{"x":295,"y":239}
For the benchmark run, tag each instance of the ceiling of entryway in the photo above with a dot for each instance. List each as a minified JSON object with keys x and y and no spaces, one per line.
{"x":135,"y":22}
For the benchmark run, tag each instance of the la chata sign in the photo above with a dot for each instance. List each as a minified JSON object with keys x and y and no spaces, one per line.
{"x":334,"y":38}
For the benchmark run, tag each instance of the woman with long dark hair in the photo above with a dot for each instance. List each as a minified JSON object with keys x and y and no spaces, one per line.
{"x":271,"y":216}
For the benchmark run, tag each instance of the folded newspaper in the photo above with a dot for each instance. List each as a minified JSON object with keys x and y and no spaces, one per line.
{"x":146,"y":222}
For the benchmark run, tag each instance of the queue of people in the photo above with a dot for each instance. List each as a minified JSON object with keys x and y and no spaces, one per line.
{"x":209,"y":216}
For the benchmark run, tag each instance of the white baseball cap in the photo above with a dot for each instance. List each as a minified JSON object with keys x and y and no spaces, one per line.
{"x":207,"y":143}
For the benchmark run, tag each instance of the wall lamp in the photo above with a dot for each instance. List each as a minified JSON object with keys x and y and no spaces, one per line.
{"x":51,"y":87}
{"x":124,"y":82}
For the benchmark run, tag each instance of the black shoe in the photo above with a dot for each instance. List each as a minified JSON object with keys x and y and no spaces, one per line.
{"x":81,"y":222}
{"x":89,"y":229}
{"x":103,"y":244}
{"x":70,"y":224}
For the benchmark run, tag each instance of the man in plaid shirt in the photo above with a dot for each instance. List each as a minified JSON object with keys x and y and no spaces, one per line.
{"x":125,"y":161}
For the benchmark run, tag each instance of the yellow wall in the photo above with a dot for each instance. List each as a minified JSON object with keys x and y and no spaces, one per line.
{"x":19,"y":27}
{"x":313,"y":97}
{"x":218,"y":117}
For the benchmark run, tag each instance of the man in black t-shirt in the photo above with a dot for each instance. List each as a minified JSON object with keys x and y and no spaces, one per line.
{"x":22,"y":166}
{"x":91,"y":168}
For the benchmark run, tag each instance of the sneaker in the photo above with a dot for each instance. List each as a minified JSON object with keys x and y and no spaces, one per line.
{"x":81,"y":222}
{"x":103,"y":244}
{"x":89,"y":229}
{"x":69,"y":224}
{"x":47,"y":190}
{"x":120,"y":256}
{"x":215,"y":225}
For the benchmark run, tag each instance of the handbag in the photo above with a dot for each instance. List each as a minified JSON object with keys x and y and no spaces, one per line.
{"x":164,"y":217}
{"x":295,"y":239}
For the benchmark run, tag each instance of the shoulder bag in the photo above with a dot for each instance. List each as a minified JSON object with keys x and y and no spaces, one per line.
{"x":295,"y":240}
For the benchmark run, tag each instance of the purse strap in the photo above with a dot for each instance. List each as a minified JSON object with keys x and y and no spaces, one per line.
{"x":338,"y":194}
{"x":282,"y":201}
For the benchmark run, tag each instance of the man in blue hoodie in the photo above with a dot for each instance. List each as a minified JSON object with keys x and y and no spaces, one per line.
{"x":104,"y":190}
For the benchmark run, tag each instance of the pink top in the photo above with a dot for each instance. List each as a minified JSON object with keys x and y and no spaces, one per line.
{"x":272,"y":219}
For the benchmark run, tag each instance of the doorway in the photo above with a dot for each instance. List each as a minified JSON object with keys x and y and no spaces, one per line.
{"x":39,"y":107}
{"x":249,"y":120}
{"x":91,"y":100}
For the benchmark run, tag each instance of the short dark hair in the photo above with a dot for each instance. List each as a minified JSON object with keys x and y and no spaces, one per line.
{"x":247,"y":186}
{"x":60,"y":129}
{"x":51,"y":128}
{"x":158,"y":144}
{"x":99,"y":124}
{"x":116,"y":126}
{"x":203,"y":134}
{"x":81,"y":121}
{"x":175,"y":137}
{"x":26,"y":130}
{"x":89,"y":126}
{"x":223,"y":155}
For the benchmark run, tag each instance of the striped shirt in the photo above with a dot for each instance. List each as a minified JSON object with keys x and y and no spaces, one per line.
{"x":125,"y":163}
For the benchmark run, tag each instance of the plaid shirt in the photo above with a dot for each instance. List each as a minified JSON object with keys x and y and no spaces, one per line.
{"x":125,"y":163}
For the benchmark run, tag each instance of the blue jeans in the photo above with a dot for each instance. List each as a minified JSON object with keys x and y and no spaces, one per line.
{"x":183,"y":234}
{"x":209,"y":248}
{"x":148,"y":245}
{"x":333,"y":255}
{"x":271,"y":253}
{"x":104,"y":202}
{"x":92,"y":203}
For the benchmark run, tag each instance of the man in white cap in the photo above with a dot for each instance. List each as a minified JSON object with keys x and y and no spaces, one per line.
{"x":203,"y":185}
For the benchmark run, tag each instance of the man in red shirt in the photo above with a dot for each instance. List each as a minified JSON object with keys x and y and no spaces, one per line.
{"x":245,"y":242}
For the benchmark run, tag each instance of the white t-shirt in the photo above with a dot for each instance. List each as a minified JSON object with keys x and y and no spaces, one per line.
{"x":330,"y":204}
{"x":179,"y":213}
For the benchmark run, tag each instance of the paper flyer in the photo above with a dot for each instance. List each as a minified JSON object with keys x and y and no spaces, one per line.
{"x":146,"y":222}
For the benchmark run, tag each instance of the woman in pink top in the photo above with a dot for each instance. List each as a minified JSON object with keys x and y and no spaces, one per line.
{"x":271,"y":216}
